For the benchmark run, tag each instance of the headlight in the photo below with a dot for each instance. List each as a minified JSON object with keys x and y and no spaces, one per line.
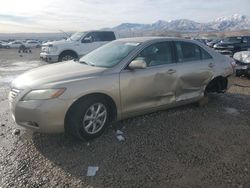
{"x":52,"y":49}
{"x":43,"y":94}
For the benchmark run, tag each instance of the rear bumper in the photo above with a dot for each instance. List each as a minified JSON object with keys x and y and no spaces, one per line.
{"x":48,"y":57}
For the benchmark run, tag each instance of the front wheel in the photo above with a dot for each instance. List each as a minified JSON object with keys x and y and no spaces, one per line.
{"x":67,"y":56}
{"x":88,"y":118}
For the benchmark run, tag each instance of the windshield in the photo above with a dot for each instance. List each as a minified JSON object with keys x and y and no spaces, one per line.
{"x":110,"y":54}
{"x":77,"y":36}
{"x":232,"y":39}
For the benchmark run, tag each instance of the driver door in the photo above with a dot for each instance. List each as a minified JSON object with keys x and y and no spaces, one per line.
{"x":151,"y":87}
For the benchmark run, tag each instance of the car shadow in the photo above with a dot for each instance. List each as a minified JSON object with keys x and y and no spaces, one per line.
{"x":155,"y":145}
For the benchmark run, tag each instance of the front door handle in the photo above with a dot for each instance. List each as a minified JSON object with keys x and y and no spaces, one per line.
{"x":211,"y":65}
{"x":171,"y":71}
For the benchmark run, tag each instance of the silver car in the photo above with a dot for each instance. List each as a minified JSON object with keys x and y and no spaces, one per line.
{"x":124,"y":78}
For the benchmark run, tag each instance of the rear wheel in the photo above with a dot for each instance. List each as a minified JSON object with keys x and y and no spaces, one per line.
{"x":88,"y":118}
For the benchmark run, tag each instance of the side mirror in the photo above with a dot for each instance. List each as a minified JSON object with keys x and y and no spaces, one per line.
{"x":137,"y":64}
{"x":87,"y":39}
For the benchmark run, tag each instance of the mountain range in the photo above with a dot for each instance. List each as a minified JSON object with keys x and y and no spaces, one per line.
{"x":229,"y":23}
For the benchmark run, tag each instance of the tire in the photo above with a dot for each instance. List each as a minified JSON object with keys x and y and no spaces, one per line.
{"x":67,"y":56}
{"x":78,"y":119}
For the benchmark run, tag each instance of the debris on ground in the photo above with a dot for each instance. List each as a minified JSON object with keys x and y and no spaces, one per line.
{"x":233,"y":111}
{"x":2,"y":124}
{"x":118,"y":132}
{"x":16,"y":132}
{"x":92,"y":170}
{"x":120,"y":138}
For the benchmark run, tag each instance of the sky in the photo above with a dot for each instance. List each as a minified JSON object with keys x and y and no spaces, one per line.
{"x":79,"y":15}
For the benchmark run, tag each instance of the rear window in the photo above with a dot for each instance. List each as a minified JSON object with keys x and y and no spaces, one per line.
{"x":187,"y":51}
{"x":105,"y":36}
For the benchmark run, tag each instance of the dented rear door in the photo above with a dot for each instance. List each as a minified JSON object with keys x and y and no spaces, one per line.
{"x":195,"y":69}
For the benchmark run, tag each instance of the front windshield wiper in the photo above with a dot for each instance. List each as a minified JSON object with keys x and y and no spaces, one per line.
{"x":87,"y":63}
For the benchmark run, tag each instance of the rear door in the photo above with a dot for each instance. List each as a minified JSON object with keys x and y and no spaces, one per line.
{"x":195,"y":69}
{"x":153,"y":86}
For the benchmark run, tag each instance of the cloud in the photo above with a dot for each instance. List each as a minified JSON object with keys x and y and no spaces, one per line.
{"x":54,"y":15}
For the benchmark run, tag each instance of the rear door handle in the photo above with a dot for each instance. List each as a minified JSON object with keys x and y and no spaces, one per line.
{"x":211,"y":65}
{"x":171,"y":71}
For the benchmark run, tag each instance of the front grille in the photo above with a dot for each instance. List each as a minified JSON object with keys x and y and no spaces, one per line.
{"x":44,"y":49}
{"x":14,"y":93}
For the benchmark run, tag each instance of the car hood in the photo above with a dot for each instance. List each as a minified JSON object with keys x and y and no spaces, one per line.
{"x":55,"y":73}
{"x":59,"y":42}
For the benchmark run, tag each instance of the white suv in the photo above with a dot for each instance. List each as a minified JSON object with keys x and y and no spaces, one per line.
{"x":75,"y":46}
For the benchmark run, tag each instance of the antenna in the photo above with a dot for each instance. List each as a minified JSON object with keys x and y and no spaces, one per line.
{"x":65,"y":34}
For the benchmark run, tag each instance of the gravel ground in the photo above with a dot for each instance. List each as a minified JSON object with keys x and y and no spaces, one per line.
{"x":188,"y":146}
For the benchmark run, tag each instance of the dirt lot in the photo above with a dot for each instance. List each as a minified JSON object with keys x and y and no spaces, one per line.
{"x":187,"y":146}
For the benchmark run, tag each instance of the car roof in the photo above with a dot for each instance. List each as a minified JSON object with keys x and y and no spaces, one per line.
{"x":153,"y":39}
{"x":99,"y":31}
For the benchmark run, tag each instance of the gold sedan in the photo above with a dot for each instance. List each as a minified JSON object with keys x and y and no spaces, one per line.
{"x":121,"y":79}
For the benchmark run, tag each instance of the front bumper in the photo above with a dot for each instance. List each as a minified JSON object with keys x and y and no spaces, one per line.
{"x":40,"y":115}
{"x":48,"y":57}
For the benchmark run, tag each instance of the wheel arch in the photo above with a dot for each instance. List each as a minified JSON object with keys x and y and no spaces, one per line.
{"x":218,"y":84}
{"x":111,"y":102}
{"x":68,"y":51}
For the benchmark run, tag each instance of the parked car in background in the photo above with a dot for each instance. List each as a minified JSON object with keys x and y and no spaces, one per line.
{"x":75,"y":46}
{"x":32,"y":44}
{"x":213,"y":42}
{"x":231,"y":45}
{"x":242,"y":60}
{"x":203,"y":41}
{"x":13,"y":44}
{"x":121,"y":79}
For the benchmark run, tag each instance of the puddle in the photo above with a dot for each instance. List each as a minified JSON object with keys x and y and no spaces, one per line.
{"x":19,"y":66}
{"x":9,"y":71}
{"x":7,"y":79}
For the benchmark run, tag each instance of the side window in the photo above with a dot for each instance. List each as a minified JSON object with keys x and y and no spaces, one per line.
{"x":92,"y":36}
{"x":187,"y":51}
{"x":205,"y":54}
{"x":157,"y":54}
{"x":106,"y":36}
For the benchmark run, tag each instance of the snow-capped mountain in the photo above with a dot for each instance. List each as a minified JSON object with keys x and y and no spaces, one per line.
{"x":229,"y":23}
